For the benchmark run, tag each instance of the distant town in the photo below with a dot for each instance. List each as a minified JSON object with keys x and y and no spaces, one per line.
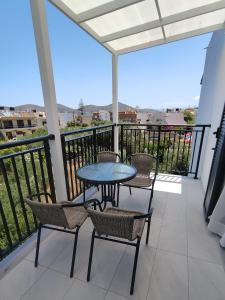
{"x":17,"y":122}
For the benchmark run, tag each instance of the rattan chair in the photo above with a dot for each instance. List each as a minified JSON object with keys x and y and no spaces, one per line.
{"x":119,"y":224}
{"x":108,"y":156}
{"x":66,"y":215}
{"x":145,"y":178}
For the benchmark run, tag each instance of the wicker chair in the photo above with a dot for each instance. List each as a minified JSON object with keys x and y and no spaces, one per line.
{"x":65,"y":214}
{"x":119,"y":224}
{"x":108,"y":156}
{"x":143,"y":162}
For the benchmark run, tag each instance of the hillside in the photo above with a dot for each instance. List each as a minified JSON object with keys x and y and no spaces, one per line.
{"x":90,"y":108}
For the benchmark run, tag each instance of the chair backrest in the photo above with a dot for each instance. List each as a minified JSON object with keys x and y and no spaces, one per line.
{"x":108,"y":156}
{"x":118,"y":225}
{"x":143,"y":162}
{"x":48,"y":213}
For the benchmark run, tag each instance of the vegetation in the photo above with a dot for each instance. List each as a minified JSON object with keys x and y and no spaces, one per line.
{"x":189,"y":117}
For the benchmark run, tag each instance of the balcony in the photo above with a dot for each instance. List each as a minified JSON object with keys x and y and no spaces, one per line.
{"x":182,"y":261}
{"x":181,"y":248}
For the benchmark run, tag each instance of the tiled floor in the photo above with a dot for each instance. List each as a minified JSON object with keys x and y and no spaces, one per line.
{"x":183,"y":260}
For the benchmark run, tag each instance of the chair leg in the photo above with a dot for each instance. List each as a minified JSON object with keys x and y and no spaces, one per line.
{"x":74,"y":252}
{"x":91,"y":255}
{"x":135,"y":267}
{"x":38,"y":245}
{"x":148,"y":230}
{"x":118,"y":195}
{"x":130,"y":190}
{"x":150,"y":200}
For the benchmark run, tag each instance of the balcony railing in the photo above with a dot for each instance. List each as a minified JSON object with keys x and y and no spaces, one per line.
{"x":17,"y":126}
{"x":178,"y":148}
{"x":80,"y":147}
{"x":25,"y":166}
{"x":25,"y":169}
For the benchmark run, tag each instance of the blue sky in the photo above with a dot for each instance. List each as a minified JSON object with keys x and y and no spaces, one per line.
{"x":160,"y":77}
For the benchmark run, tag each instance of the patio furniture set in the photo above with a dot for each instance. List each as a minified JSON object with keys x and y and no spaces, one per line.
{"x":110,"y":222}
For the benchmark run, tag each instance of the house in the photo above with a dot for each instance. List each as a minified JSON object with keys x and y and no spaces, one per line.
{"x":128,"y":116}
{"x":101,"y":115}
{"x":13,"y":124}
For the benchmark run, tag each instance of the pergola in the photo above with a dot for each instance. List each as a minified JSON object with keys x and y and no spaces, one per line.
{"x":121,"y":26}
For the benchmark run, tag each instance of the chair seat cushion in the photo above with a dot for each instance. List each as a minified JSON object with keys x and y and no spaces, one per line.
{"x":139,"y":181}
{"x":138,"y":225}
{"x":75,"y":216}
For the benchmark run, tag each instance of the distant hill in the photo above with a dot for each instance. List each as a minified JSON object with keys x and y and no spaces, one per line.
{"x":25,"y":107}
{"x":87,"y":108}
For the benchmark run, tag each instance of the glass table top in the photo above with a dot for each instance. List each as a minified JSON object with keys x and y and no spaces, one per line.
{"x":106,"y":172}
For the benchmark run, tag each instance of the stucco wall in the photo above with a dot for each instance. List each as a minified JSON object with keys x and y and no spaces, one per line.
{"x":212,"y":99}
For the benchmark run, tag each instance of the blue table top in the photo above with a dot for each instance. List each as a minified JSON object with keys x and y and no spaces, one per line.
{"x":106,"y":173}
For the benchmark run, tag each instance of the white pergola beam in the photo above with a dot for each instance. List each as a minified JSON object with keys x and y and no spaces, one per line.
{"x":164,"y":21}
{"x":104,"y":9}
{"x":172,"y":39}
{"x":48,"y":89}
{"x":73,"y":17}
{"x":115,"y":101}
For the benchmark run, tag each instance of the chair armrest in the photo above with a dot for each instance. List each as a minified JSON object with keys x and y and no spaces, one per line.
{"x":71,"y":204}
{"x":39,"y":194}
{"x":94,"y":202}
{"x":144,"y":216}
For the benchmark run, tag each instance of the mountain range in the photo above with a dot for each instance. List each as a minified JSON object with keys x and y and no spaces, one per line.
{"x":87,"y":108}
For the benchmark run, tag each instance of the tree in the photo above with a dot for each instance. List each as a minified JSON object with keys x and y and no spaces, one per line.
{"x":189,"y":117}
{"x":81,"y":107}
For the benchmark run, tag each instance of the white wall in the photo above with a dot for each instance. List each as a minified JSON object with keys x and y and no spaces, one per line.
{"x":212,"y":99}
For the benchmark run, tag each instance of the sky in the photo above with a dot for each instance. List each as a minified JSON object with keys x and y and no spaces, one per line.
{"x":159,"y":77}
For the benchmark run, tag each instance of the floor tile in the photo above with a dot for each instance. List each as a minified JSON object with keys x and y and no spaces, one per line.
{"x":203,"y":244}
{"x":154,"y":232}
{"x":83,"y":291}
{"x":169,"y":277}
{"x":113,"y":296}
{"x":173,"y":236}
{"x":122,"y":279}
{"x":106,"y":257}
{"x":207,"y":280}
{"x":14,"y":284}
{"x":51,"y":248}
{"x":51,"y":286}
{"x":63,"y":261}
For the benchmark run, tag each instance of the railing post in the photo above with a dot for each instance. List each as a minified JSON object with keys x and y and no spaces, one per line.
{"x":121,"y":141}
{"x":95,"y":144}
{"x":63,"y":142}
{"x":112,"y":139}
{"x":49,"y":170}
{"x":158,"y":144}
{"x":199,"y":153}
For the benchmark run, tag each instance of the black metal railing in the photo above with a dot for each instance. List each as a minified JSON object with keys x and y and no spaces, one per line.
{"x":178,"y":148}
{"x":25,"y":169}
{"x":80,"y":147}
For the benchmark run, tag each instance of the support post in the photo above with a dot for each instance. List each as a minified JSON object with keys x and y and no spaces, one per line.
{"x":115,"y":101}
{"x":48,"y":89}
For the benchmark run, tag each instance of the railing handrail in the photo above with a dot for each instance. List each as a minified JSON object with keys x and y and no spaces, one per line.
{"x":27,"y":141}
{"x":86,"y":129}
{"x":160,"y":125}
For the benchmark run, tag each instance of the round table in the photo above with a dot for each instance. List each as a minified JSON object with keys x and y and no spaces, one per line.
{"x":106,"y":174}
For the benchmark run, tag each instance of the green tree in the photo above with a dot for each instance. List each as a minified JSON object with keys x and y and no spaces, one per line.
{"x":189,"y":117}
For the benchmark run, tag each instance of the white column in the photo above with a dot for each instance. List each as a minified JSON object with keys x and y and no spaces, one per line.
{"x":115,"y":100}
{"x":48,"y":89}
